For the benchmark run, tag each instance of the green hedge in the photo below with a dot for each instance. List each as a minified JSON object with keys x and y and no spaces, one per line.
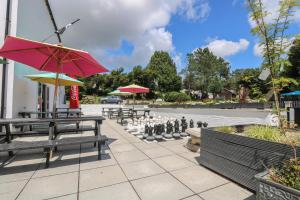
{"x":176,"y":97}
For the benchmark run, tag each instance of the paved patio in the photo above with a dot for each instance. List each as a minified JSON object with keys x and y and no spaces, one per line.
{"x":131,"y":169}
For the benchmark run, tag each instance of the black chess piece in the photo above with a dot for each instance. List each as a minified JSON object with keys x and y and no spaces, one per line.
{"x":199,"y":124}
{"x":145,"y":135}
{"x":176,"y":126}
{"x":176,"y":133}
{"x":205,"y":124}
{"x":158,"y":133}
{"x":168,"y":134}
{"x":184,"y":125}
{"x":150,"y":134}
{"x":191,"y":123}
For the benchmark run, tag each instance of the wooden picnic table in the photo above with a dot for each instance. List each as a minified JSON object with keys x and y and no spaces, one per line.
{"x":52,"y":142}
{"x":145,"y":110}
{"x":51,"y":121}
{"x":46,"y":114}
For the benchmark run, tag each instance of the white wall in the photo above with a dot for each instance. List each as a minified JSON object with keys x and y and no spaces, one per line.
{"x":10,"y":66}
{"x":33,"y":23}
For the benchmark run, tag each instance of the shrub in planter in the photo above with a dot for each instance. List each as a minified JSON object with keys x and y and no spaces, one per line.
{"x":241,"y":155}
{"x":176,"y":97}
{"x":280,"y":182}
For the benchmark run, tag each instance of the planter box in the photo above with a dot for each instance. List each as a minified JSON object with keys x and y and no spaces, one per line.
{"x":269,"y":190}
{"x":240,"y":158}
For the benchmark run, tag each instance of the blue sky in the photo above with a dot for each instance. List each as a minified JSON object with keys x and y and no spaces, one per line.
{"x":125,"y":33}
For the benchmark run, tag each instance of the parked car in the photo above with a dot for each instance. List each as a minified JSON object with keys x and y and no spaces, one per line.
{"x":111,"y":99}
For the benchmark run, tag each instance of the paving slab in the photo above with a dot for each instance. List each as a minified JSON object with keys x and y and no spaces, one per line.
{"x":50,"y":186}
{"x":10,"y":191}
{"x":192,"y":156}
{"x":141,"y":169}
{"x":130,"y":156}
{"x":66,"y":197}
{"x":122,"y":191}
{"x":17,"y":173}
{"x":58,"y":167}
{"x":177,"y":148}
{"x":122,"y":148}
{"x":100,"y":177}
{"x":198,"y":178}
{"x":173,"y":162}
{"x":161,"y":187}
{"x":144,"y":145}
{"x":194,"y":197}
{"x":157,"y":152}
{"x":229,"y":191}
{"x":90,"y":162}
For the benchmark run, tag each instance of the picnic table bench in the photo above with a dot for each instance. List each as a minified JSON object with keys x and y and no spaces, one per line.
{"x":124,"y":114}
{"x":53,"y":141}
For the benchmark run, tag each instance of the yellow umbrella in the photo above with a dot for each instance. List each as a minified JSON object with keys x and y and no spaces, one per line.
{"x":50,"y":78}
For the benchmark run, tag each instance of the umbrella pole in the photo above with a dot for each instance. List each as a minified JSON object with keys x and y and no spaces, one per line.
{"x":55,"y":95}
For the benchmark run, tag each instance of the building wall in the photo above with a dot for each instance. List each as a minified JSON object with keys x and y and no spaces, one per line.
{"x":33,"y":23}
{"x":10,"y":66}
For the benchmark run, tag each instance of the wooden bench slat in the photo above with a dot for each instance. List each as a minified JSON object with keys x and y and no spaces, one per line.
{"x":22,"y":145}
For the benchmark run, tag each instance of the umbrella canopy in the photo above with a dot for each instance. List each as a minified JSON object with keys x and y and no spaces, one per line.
{"x":50,"y":57}
{"x":119,"y":93}
{"x":133,"y":88}
{"x":294,"y":93}
{"x":50,"y":78}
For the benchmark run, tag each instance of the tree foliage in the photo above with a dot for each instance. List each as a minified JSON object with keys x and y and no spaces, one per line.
{"x":163,"y":70}
{"x":273,"y":40}
{"x":205,"y":71}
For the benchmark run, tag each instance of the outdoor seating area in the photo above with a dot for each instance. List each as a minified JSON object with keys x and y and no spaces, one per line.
{"x":149,"y":100}
{"x":128,"y":168}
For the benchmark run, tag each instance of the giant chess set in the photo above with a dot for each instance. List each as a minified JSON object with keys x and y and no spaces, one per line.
{"x":152,"y":128}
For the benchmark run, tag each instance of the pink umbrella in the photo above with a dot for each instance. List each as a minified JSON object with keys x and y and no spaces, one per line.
{"x":133,"y":88}
{"x":50,"y":57}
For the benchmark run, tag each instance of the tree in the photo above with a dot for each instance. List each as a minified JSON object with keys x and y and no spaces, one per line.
{"x":215,"y":86}
{"x":248,"y":78}
{"x":204,"y":69}
{"x":273,"y":40}
{"x":292,"y":70}
{"x":163,"y":73}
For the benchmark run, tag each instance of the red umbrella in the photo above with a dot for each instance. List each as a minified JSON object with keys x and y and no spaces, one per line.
{"x":133,"y":88}
{"x":50,"y":57}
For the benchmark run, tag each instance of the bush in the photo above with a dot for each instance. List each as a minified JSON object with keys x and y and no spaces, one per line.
{"x":264,"y":133}
{"x":288,"y":174}
{"x":225,"y":129}
{"x":176,"y":97}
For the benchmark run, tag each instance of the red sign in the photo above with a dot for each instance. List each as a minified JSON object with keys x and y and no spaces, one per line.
{"x":74,"y":97}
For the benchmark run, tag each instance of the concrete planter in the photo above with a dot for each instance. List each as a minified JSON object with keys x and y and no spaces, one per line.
{"x":240,"y":158}
{"x":269,"y":190}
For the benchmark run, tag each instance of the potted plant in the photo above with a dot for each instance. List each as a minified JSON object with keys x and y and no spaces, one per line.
{"x":280,"y":182}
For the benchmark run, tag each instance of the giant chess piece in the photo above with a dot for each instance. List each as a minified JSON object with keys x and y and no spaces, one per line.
{"x":146,"y":133}
{"x":191,"y":123}
{"x":150,"y":134}
{"x":168,"y":134}
{"x":158,"y":133}
{"x":184,"y":125}
{"x":205,"y":124}
{"x":199,"y":124}
{"x":176,"y":133}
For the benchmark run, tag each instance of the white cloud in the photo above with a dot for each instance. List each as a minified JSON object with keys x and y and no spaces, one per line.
{"x":196,"y":9}
{"x":105,"y":24}
{"x":258,"y":49}
{"x":272,"y":6}
{"x":225,"y":48}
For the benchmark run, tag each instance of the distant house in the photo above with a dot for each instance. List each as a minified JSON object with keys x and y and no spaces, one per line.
{"x":227,"y":94}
